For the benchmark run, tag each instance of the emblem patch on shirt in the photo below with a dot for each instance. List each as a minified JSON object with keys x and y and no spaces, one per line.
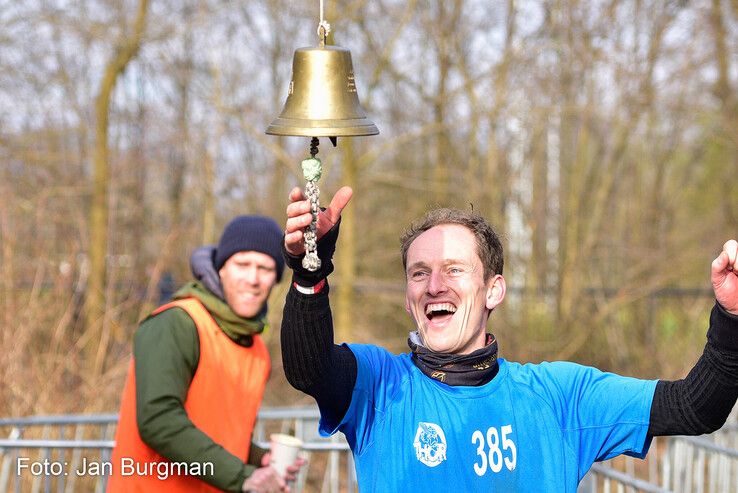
{"x":430,"y":444}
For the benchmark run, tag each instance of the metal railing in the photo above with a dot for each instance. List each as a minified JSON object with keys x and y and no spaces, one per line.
{"x":68,"y":454}
{"x":605,"y":478}
{"x":680,"y":464}
{"x":702,"y":465}
{"x":44,"y":454}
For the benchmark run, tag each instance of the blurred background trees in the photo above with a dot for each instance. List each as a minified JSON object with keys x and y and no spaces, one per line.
{"x":600,"y":137}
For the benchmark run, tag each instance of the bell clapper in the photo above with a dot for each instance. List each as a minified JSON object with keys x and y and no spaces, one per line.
{"x":312,"y":168}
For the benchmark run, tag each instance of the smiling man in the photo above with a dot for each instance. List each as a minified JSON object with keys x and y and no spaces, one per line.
{"x":449,"y":292}
{"x":198,"y":374}
{"x":452,"y":416}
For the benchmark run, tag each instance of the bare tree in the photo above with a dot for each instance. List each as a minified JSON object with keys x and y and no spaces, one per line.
{"x":126,"y":49}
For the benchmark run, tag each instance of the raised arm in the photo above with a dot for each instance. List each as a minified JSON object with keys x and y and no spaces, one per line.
{"x":312,"y":362}
{"x":701,"y":402}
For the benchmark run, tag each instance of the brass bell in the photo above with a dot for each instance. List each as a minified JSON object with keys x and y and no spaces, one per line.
{"x":322,"y":99}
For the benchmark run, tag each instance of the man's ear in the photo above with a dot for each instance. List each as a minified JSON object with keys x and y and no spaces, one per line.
{"x":496,"y":289}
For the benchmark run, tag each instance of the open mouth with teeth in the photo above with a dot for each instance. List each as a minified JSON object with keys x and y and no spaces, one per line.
{"x":439,"y":312}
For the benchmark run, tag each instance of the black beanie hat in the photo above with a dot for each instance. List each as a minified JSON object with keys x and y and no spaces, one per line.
{"x":251,"y":233}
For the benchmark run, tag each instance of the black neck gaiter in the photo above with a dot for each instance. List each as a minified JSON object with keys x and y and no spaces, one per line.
{"x":471,"y":369}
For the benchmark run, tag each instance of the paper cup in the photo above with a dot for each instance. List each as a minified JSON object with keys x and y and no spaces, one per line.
{"x":284,"y":450}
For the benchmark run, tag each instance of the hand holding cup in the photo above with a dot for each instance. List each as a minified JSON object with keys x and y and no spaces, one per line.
{"x":284,"y":452}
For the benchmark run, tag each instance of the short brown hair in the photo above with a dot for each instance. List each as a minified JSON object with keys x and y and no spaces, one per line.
{"x":489,"y":247}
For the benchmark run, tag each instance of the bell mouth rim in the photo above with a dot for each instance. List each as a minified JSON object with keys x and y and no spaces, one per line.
{"x":350,"y":127}
{"x":322,"y":48}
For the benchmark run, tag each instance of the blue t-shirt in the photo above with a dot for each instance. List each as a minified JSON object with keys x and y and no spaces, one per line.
{"x":534,"y":428}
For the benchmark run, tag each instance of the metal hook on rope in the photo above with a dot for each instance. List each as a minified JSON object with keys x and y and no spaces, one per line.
{"x":324,"y":28}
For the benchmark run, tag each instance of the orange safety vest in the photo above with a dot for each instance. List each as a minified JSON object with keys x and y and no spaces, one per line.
{"x":222,"y":401}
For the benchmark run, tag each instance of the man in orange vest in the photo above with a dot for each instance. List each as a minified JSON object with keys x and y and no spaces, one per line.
{"x":198,"y":372}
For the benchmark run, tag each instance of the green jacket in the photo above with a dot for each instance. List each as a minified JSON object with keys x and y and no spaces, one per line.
{"x":166,"y":350}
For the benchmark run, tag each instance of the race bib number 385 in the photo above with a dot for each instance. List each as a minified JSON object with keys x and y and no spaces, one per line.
{"x":495,"y":449}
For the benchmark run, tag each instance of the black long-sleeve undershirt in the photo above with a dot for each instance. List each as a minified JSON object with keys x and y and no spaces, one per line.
{"x":697,"y":404}
{"x":312,"y":362}
{"x":701,"y":402}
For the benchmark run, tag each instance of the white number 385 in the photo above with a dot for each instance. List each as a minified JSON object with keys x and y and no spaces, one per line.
{"x":497,"y":451}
